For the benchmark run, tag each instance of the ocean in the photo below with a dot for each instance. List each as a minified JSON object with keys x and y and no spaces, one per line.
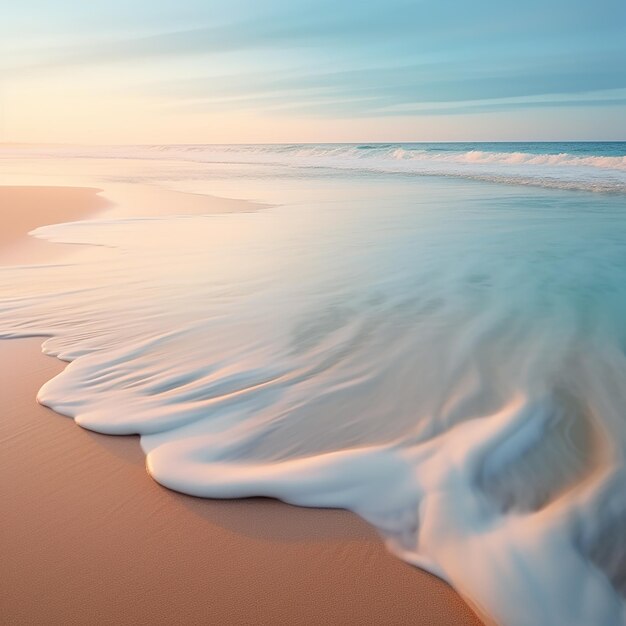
{"x":430,"y":335}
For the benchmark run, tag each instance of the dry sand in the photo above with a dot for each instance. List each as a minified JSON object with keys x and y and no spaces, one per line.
{"x":87,"y":537}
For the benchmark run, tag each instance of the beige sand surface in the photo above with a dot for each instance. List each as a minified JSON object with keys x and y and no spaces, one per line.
{"x":24,"y":208}
{"x":86,"y":537}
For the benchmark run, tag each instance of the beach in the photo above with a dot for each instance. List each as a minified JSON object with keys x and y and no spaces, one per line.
{"x":88,"y":537}
{"x":313,"y":313}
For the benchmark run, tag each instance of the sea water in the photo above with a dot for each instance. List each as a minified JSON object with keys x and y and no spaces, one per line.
{"x":432,"y":336}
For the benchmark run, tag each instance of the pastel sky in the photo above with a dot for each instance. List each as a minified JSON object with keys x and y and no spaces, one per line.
{"x":196,"y":71}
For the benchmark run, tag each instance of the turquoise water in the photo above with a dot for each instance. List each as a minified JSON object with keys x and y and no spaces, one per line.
{"x":581,"y":148}
{"x":441,"y":352}
{"x":589,"y":166}
{"x":583,"y":166}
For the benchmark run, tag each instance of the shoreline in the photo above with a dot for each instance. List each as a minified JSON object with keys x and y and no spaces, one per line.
{"x":26,"y":208}
{"x":89,"y":535}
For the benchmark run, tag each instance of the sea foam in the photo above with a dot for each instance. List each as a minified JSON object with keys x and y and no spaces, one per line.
{"x":599,"y":167}
{"x":450,"y":368}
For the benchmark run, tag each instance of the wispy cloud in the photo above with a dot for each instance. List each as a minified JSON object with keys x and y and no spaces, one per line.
{"x":403,"y":89}
{"x":343,"y":59}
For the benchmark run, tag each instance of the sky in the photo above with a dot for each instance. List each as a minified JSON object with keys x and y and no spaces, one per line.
{"x":263,"y":71}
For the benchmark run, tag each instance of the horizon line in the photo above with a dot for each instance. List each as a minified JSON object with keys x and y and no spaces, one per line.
{"x":304,"y":143}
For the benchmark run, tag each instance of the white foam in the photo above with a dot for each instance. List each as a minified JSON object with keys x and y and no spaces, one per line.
{"x":455,"y":376}
{"x":601,"y":173}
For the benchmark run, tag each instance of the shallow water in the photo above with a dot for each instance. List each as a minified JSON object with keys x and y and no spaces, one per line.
{"x":443,"y":356}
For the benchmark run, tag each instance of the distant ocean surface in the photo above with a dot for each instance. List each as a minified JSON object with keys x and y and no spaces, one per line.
{"x":593,"y":166}
{"x":430,"y":335}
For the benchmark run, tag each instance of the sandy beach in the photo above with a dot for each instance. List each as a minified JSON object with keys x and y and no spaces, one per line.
{"x":26,"y":208}
{"x":88,"y":537}
{"x":313,"y":313}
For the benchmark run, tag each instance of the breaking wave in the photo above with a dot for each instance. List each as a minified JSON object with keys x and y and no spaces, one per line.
{"x":599,"y":167}
{"x":603,"y":173}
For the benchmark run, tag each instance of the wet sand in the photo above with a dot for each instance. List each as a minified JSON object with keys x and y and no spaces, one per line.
{"x":87,"y":536}
{"x":23,"y":209}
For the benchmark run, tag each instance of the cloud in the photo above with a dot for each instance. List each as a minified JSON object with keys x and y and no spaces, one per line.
{"x":329,"y":58}
{"x":369,"y":28}
{"x":398,"y":90}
